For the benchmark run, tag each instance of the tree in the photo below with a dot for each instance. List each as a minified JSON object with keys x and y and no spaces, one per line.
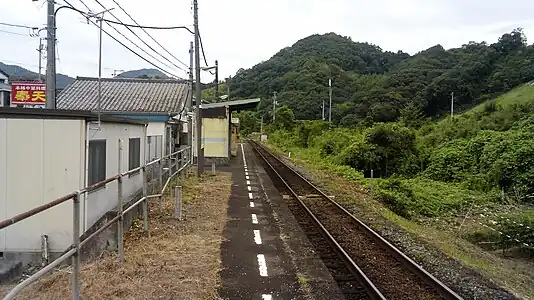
{"x":412,"y":116}
{"x":375,"y":85}
{"x":248,"y":122}
{"x":285,"y":119}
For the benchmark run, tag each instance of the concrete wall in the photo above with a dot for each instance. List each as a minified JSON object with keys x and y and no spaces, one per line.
{"x":105,"y":199}
{"x":44,"y":159}
{"x":40,"y":160}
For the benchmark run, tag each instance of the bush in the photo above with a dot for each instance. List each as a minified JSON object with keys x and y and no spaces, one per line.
{"x":411,"y":198}
{"x":332,"y":142}
{"x":387,"y":148}
{"x":450,"y":162}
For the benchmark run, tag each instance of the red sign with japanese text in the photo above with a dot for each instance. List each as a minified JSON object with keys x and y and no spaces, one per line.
{"x":31,"y":93}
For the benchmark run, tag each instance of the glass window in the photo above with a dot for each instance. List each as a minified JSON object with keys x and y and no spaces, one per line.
{"x":97,"y":161}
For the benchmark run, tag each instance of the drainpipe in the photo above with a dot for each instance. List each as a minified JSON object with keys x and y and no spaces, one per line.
{"x":86,"y":174}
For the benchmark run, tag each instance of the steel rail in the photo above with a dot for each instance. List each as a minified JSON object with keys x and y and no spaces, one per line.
{"x":428,"y":278}
{"x":370,"y":288}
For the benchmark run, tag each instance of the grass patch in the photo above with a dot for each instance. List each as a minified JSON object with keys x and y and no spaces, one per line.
{"x":303,"y":280}
{"x":178,"y":260}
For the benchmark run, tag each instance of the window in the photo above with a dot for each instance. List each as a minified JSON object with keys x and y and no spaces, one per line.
{"x":159,"y":146}
{"x":134,"y":153}
{"x":97,"y":161}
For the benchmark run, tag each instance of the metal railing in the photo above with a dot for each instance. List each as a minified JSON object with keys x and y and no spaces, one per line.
{"x":176,"y":162}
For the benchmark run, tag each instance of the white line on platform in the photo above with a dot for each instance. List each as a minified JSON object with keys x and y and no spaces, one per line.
{"x":244,"y":160}
{"x":247,"y":177}
{"x":250,"y":196}
{"x":257,"y":237}
{"x":262,"y":265}
{"x":249,"y":188}
{"x":252,"y":204}
{"x":246,"y":173}
{"x":248,"y":182}
{"x":266,"y":297}
{"x":254,"y":219}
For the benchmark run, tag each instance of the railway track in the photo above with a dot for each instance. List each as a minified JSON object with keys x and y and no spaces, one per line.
{"x":364,"y":265}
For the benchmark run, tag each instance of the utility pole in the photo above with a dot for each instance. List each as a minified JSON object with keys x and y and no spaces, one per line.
{"x":261,"y":127}
{"x":190,"y":99}
{"x":330,"y":94}
{"x":51,"y":57}
{"x":452,"y":105}
{"x":40,"y":50}
{"x":323,"y":111}
{"x":274,"y":106}
{"x":200,"y":151}
{"x":216,"y":81}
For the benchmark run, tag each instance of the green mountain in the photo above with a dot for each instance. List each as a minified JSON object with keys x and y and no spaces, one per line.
{"x":19,"y":73}
{"x":371,"y":85}
{"x":143,"y":73}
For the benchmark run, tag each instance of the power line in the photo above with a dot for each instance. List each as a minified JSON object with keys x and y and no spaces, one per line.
{"x":18,"y":63}
{"x":89,"y":9}
{"x":129,"y":40}
{"x":149,"y":34}
{"x":146,"y":44}
{"x":122,"y":44}
{"x":15,"y":33}
{"x":17,"y":25}
{"x":150,"y":27}
{"x":203,"y":53}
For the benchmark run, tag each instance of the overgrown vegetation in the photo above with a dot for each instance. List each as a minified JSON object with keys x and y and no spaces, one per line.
{"x":371,"y":85}
{"x":484,"y":157}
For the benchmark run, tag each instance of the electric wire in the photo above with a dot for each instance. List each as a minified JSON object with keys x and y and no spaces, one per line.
{"x":17,"y":25}
{"x":118,"y":5}
{"x":203,"y":53}
{"x":121,"y":43}
{"x":139,"y":47}
{"x":143,"y":41}
{"x":15,"y":33}
{"x":150,"y":27}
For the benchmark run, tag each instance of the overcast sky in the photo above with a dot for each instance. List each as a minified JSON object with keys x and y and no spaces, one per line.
{"x":242,"y":33}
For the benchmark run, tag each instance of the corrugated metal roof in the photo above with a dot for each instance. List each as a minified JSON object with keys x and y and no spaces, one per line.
{"x":231,"y":103}
{"x":125,"y":95}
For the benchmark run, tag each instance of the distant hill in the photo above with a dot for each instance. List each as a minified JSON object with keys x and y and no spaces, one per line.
{"x":19,"y":73}
{"x":371,"y":85}
{"x":146,"y":73}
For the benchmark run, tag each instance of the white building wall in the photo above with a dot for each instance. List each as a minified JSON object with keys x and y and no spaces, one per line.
{"x":98,"y":202}
{"x":40,"y":160}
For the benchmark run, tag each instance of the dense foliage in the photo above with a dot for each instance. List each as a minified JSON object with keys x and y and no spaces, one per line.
{"x":483,"y":156}
{"x":370,"y":85}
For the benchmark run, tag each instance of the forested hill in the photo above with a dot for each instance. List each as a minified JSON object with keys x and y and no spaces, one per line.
{"x":371,"y":85}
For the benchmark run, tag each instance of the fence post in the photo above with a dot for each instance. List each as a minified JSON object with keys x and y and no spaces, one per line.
{"x":120,"y":224}
{"x":76,"y":245}
{"x":160,"y":184}
{"x":372,"y":186}
{"x":145,"y":202}
{"x":191,"y":155}
{"x":170,"y":165}
{"x":213,"y":168}
{"x":178,"y":211}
